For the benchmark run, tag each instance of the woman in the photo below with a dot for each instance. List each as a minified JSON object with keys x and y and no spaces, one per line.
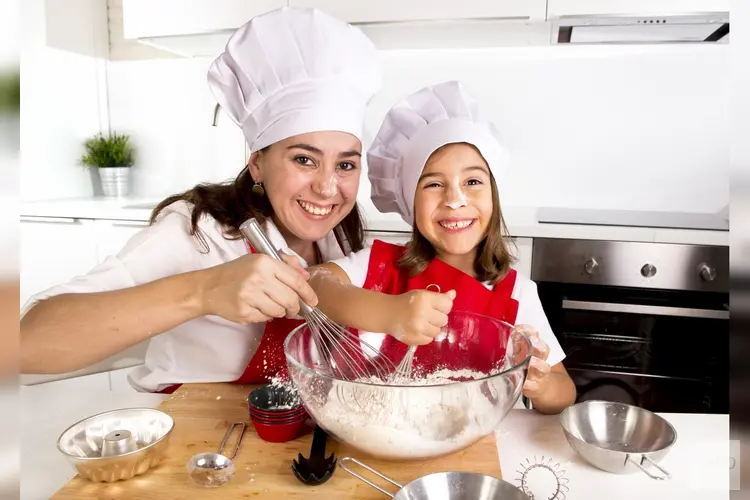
{"x":297,"y":82}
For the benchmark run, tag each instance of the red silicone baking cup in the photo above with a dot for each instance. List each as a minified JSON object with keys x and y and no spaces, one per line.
{"x":298,"y":410}
{"x":277,"y":421}
{"x":280,"y":433}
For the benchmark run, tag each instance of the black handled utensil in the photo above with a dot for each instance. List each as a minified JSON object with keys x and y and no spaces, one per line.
{"x":317,"y":469}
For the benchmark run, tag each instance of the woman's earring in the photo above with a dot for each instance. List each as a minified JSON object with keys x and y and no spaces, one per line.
{"x":258,"y":189}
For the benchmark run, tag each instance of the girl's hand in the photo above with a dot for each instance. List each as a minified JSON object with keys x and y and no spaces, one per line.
{"x":419,"y":315}
{"x":256,"y":288}
{"x":538,"y":374}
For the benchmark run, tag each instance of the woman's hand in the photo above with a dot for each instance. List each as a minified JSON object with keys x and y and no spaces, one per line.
{"x":256,"y":288}
{"x":538,"y":378}
{"x":419,"y":315}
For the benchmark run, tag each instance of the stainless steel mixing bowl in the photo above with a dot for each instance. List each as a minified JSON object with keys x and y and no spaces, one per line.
{"x":118,"y":444}
{"x":442,"y":485}
{"x":415,"y":422}
{"x":617,"y":437}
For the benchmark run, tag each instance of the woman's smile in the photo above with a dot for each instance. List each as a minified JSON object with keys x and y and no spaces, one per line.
{"x":315,"y":211}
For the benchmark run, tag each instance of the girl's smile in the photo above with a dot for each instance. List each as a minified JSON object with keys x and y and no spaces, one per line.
{"x":455,"y":225}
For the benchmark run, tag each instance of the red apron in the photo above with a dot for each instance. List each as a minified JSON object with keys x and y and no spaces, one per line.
{"x":269,"y":360}
{"x":384,"y":275}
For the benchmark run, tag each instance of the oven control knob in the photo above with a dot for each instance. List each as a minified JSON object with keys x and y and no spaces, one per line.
{"x":707,"y":273}
{"x":648,"y":270}
{"x":590,"y":266}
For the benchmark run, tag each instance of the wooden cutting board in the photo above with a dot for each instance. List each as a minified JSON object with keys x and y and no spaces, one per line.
{"x":202,"y":414}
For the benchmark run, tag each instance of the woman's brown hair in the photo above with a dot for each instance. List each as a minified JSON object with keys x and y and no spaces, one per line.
{"x":233,"y":202}
{"x":494,"y":256}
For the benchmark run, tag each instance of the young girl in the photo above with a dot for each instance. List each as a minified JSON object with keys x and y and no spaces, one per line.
{"x":435,"y":161}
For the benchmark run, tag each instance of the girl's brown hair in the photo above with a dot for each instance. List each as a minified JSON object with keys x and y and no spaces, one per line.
{"x":232,"y":203}
{"x":494,"y":256}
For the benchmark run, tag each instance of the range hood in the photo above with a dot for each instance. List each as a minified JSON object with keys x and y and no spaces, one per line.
{"x":706,"y":27}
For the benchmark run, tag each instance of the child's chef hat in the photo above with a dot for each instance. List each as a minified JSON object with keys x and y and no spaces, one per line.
{"x":413,"y":129}
{"x":293,"y":71}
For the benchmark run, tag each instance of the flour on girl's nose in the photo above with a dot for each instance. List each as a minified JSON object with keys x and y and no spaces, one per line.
{"x":462,"y":200}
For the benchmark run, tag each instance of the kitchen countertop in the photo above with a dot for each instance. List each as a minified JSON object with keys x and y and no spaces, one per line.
{"x":522,"y":222}
{"x":698,"y":461}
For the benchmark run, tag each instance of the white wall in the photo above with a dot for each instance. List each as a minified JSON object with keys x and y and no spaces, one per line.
{"x":63,"y":101}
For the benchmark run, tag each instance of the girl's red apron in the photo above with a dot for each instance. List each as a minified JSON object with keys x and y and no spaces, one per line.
{"x":384,"y":274}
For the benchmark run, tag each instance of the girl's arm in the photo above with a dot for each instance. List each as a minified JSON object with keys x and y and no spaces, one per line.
{"x":414,"y":317}
{"x":556,"y":392}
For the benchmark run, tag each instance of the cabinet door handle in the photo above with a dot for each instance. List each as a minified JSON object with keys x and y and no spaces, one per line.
{"x":58,"y":220}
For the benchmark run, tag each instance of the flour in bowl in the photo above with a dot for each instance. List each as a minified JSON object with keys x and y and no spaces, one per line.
{"x":410,"y":422}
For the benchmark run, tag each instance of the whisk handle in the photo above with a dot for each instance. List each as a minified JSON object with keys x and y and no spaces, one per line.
{"x":257,"y":238}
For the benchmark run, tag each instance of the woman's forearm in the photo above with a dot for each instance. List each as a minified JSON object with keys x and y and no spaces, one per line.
{"x":350,"y":305}
{"x":71,"y":331}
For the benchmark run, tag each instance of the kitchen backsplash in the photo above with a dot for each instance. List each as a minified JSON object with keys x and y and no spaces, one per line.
{"x":604,"y":127}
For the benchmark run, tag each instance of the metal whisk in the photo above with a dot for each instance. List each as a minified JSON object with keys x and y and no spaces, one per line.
{"x":403,"y":370}
{"x":347,"y":356}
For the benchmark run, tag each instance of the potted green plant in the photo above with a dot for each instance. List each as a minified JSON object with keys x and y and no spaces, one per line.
{"x":10,"y":105}
{"x":112,"y":156}
{"x":10,"y":93}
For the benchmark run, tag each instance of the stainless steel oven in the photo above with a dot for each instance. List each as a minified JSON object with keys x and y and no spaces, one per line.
{"x":641,"y":323}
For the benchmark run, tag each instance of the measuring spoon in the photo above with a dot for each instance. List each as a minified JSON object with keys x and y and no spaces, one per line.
{"x":214,"y":469}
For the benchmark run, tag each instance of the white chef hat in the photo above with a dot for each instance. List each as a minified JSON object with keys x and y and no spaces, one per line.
{"x":413,"y":129}
{"x":293,"y":71}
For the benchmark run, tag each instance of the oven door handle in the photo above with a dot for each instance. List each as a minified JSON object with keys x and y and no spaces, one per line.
{"x":645,"y":309}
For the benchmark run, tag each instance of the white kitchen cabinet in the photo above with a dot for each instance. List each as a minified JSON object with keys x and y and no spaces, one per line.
{"x":54,"y":250}
{"x":427,"y":10}
{"x":192,"y":28}
{"x":201,"y":28}
{"x":442,"y":24}
{"x":161,"y":18}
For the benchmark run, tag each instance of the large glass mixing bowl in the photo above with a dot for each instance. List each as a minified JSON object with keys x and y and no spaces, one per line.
{"x":446,"y":409}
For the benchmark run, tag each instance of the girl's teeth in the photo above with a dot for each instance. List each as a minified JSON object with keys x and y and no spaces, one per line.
{"x":456,"y":225}
{"x":312,"y":209}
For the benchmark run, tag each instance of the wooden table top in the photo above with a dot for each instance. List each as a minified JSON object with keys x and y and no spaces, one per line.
{"x":202,"y":414}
